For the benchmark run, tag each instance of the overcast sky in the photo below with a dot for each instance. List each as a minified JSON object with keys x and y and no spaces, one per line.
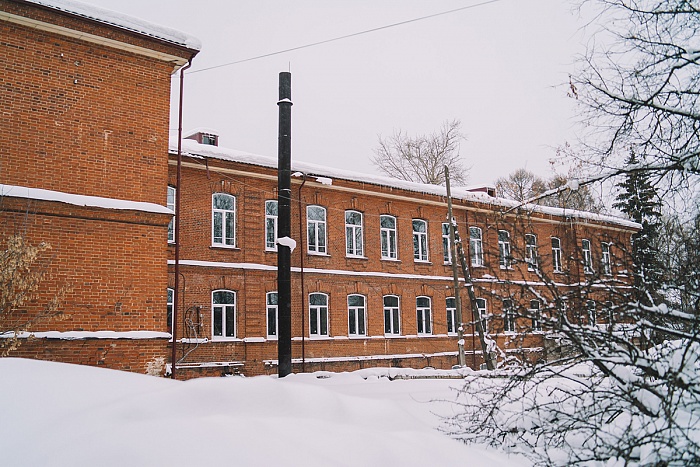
{"x":501,"y":68}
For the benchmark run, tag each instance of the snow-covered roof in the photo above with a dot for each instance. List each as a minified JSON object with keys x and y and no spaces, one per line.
{"x":122,"y":21}
{"x":191,"y":147}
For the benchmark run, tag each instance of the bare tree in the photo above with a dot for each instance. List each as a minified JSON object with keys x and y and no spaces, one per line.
{"x":422,"y":159}
{"x":520,"y":185}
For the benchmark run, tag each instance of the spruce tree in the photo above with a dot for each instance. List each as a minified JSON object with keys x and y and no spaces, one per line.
{"x":639,"y":199}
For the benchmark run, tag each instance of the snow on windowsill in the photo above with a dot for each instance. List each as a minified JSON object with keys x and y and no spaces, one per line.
{"x":81,"y":335}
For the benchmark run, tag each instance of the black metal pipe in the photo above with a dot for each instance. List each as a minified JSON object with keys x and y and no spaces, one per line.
{"x":284,"y":254}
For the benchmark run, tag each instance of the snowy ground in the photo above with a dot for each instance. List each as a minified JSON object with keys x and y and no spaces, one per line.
{"x":56,"y":414}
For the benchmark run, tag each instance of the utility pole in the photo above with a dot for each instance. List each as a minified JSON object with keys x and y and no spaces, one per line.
{"x":284,"y":253}
{"x":455,"y":274}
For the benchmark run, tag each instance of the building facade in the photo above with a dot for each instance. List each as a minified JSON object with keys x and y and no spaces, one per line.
{"x":84,"y":112}
{"x":371,"y":268}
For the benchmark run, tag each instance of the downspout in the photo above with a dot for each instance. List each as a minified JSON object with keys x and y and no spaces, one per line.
{"x":178,"y":193}
{"x":301,"y":275}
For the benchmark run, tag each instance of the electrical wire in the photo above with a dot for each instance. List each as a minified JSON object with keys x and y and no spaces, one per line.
{"x":347,"y":36}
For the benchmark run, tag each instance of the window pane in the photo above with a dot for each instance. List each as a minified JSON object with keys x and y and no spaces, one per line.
{"x":318,"y":299}
{"x":419,"y":226}
{"x":387,"y":321}
{"x":272,"y":321}
{"x":313,"y":322}
{"x":230,"y":218}
{"x":271,"y":208}
{"x":423,"y":302}
{"x":396,"y":321}
{"x":224,"y":202}
{"x":218,"y":322}
{"x":218,"y":228}
{"x":324,"y":321}
{"x":351,"y":321}
{"x":391,"y":301}
{"x":230,"y":321}
{"x":361,"y":321}
{"x":356,"y":300}
{"x":388,"y":222}
{"x":316,"y":213}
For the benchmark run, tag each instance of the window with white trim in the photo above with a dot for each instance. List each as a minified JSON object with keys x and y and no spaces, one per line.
{"x":420,"y":240}
{"x":392,"y":324}
{"x":446,"y":244}
{"x":223,"y":225}
{"x":272,"y":314}
{"x":424,"y":315}
{"x":508,"y":316}
{"x":504,"y":258}
{"x":587,"y":256}
{"x":316,"y":230}
{"x":357,"y":317}
{"x":170,"y":204}
{"x":223,"y":313}
{"x":451,"y":307}
{"x":271,"y":225}
{"x":476,"y":248}
{"x":169,"y":305}
{"x":591,"y":313}
{"x":536,"y":315}
{"x":531,"y":252}
{"x":318,"y":315}
{"x":481,"y":307}
{"x":387,"y":234}
{"x":605,"y":264}
{"x":353,"y":234}
{"x":556,"y":255}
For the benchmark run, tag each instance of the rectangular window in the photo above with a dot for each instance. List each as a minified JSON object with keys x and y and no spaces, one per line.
{"x":223,"y":310}
{"x":171,"y":205}
{"x":535,"y":314}
{"x":223,"y":220}
{"x":504,"y":257}
{"x":316,"y":229}
{"x":587,"y":257}
{"x":420,"y":240}
{"x":391,"y":315}
{"x":318,"y":315}
{"x":170,"y":304}
{"x":451,"y":307}
{"x":446,"y":244}
{"x":605,"y":263}
{"x":353,"y":234}
{"x":271,"y":225}
{"x":271,"y":300}
{"x":508,"y":316}
{"x":356,"y":315}
{"x":531,"y":252}
{"x":476,"y":250}
{"x":556,"y":255}
{"x":424,"y":316}
{"x":481,"y":307}
{"x":387,"y":234}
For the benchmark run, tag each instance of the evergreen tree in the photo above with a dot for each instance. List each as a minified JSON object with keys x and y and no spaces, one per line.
{"x":640,"y":201}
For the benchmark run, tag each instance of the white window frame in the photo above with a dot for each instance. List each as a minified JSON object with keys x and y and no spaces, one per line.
{"x":272,"y":311}
{"x":319,"y":229}
{"x":271,"y":225}
{"x":481,"y":306}
{"x":389,"y":236}
{"x":556,"y":255}
{"x":320,"y":313}
{"x":531,"y":252}
{"x":476,"y":247}
{"x":587,"y":256}
{"x":605,"y":261}
{"x":225,"y":309}
{"x":591,"y":313}
{"x":357,"y":317}
{"x":424,"y":316}
{"x":228,"y":239}
{"x":446,"y":244}
{"x":509,"y":318}
{"x":535,"y":311}
{"x":420,"y":241}
{"x":504,"y":256}
{"x":451,"y":316}
{"x":170,"y":204}
{"x":392,"y":316}
{"x":354,"y":242}
{"x":169,"y":307}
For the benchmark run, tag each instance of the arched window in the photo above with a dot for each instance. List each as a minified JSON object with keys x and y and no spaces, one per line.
{"x":223,"y":313}
{"x":353,"y":234}
{"x":271,"y":301}
{"x":357,"y":325}
{"x":424,"y":315}
{"x":171,"y":205}
{"x":387,"y":234}
{"x":476,"y":248}
{"x":556,"y":255}
{"x":318,"y":315}
{"x":223,"y":225}
{"x":169,"y":305}
{"x":504,"y":257}
{"x":271,"y":225}
{"x":420,"y":240}
{"x":316,"y":229}
{"x":451,"y":307}
{"x":392,"y":324}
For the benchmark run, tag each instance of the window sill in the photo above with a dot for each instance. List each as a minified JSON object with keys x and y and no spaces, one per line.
{"x":393,"y":336}
{"x":270,"y":250}
{"x":426,"y":335}
{"x":391,"y":260}
{"x":356,"y":257}
{"x":416,"y":261}
{"x":313,"y":253}
{"x":225,"y":247}
{"x":225,"y":339}
{"x":357,"y":336}
{"x":320,"y":338}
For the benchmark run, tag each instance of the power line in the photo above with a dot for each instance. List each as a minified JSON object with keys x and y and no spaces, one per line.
{"x":367,"y":31}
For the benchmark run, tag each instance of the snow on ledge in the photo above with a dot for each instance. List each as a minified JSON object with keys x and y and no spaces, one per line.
{"x":122,"y":21}
{"x":79,"y":335}
{"x":81,"y":200}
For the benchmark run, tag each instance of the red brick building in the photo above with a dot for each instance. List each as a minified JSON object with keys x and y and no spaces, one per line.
{"x":371,"y":275}
{"x":84,"y":113}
